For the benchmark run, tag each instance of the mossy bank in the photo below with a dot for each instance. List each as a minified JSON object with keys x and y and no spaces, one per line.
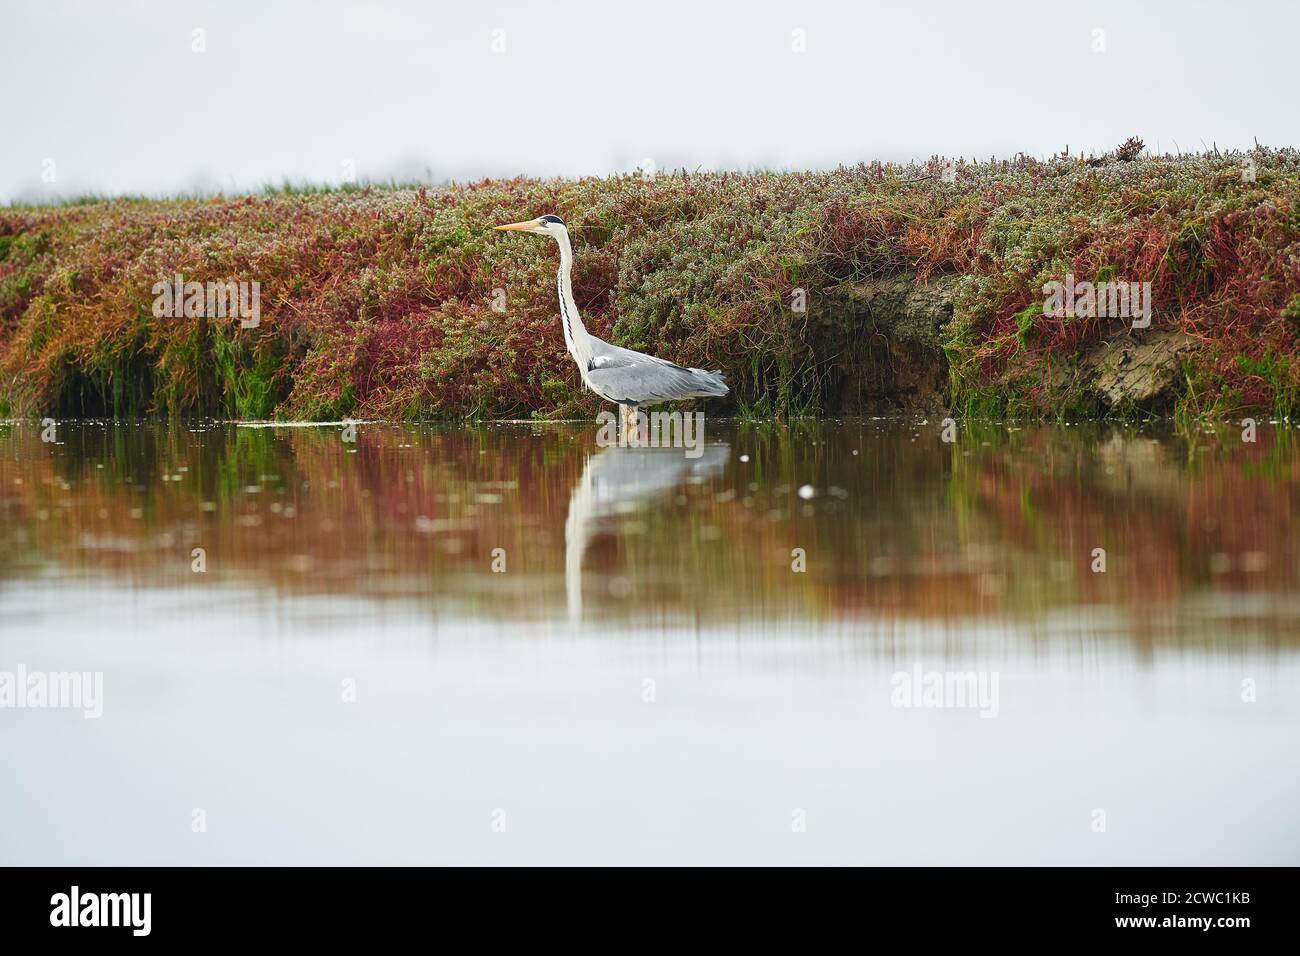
{"x":862,"y":289}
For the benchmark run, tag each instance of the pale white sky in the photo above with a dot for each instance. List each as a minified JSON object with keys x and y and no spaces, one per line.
{"x":113,"y":93}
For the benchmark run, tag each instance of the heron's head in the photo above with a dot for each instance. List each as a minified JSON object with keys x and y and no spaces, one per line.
{"x":543,"y":225}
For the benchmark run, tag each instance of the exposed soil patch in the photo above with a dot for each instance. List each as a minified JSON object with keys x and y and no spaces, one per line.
{"x":891,"y":336}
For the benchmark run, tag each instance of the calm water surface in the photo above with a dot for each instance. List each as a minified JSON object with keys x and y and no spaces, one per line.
{"x":504,"y":644}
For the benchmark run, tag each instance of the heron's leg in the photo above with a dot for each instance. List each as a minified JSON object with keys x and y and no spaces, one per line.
{"x":632,"y":435}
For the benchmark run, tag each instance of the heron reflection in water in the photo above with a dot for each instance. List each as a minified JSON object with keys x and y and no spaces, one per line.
{"x":616,"y":481}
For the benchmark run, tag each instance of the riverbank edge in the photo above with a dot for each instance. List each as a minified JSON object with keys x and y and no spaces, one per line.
{"x":868,"y":290}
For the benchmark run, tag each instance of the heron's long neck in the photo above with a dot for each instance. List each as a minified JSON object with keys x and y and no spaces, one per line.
{"x":575,"y":333}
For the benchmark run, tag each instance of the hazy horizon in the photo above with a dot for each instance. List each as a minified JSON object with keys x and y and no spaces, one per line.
{"x":132,"y":100}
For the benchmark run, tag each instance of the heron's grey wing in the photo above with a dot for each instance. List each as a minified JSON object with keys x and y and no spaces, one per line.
{"x":623,"y":375}
{"x":643,"y":383}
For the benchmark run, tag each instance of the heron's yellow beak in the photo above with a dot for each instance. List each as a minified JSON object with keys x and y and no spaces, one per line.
{"x":528,"y":226}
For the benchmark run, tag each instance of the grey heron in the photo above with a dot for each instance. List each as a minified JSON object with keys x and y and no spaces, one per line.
{"x":624,"y":376}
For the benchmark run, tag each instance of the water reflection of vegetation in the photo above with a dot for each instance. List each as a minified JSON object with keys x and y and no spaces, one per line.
{"x":1002,"y":522}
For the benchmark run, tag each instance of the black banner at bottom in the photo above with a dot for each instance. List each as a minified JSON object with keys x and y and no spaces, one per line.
{"x":1176,"y":905}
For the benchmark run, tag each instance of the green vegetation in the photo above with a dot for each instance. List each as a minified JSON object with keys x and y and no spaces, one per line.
{"x":378,"y":302}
